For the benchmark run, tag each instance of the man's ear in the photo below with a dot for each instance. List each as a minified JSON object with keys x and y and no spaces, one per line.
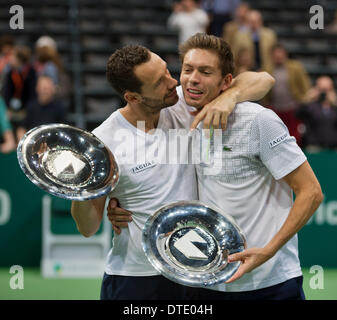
{"x":132,"y":97}
{"x":227,"y":81}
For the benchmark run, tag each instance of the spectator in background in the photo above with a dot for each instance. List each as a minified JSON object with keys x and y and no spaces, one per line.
{"x":48,"y":63}
{"x":220,"y":12}
{"x":19,"y":85}
{"x":320,"y":116}
{"x":258,"y":40}
{"x":6,"y":52}
{"x":291,"y":86}
{"x":244,"y":61}
{"x":188,"y":19}
{"x":45,"y":108}
{"x":7,"y":139}
{"x":239,"y":24}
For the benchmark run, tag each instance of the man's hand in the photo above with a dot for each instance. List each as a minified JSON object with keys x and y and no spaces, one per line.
{"x":250,"y":259}
{"x":216,"y":112}
{"x":118,"y":216}
{"x":308,"y":198}
{"x":247,"y":86}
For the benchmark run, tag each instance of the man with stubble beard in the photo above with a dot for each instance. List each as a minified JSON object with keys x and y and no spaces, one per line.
{"x":147,"y":182}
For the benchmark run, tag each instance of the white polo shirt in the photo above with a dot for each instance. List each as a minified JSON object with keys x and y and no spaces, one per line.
{"x":148,"y":181}
{"x":243,"y":177}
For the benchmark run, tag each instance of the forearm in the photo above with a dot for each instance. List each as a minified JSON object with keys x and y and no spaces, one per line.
{"x":20,"y":132}
{"x":88,"y":215}
{"x":246,"y":86}
{"x":9,"y":144}
{"x":306,"y":203}
{"x":251,"y":86}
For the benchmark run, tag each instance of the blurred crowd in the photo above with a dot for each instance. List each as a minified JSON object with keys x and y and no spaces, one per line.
{"x":308,"y":109}
{"x":34,"y":88}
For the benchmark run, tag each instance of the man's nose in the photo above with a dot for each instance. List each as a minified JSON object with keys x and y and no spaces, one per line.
{"x":194,"y":77}
{"x":173,"y":83}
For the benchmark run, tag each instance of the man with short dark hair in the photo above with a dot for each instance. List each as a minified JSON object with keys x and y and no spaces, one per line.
{"x":45,"y":108}
{"x":258,"y":40}
{"x":319,"y":116}
{"x":147,"y":179}
{"x":292,"y":85}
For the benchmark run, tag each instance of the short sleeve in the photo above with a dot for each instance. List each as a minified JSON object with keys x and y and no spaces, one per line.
{"x":272,"y":143}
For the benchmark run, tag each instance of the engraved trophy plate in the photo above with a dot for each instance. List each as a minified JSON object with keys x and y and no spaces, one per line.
{"x":67,"y":162}
{"x":189,"y":242}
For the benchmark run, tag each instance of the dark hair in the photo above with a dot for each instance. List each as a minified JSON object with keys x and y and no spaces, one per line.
{"x":120,"y":68}
{"x":23,"y":54}
{"x":46,"y":54}
{"x":213,"y":43}
{"x":6,"y":40}
{"x":278,"y":46}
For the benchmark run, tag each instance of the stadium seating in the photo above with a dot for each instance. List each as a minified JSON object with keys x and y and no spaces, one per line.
{"x":87,"y":32}
{"x":290,"y":20}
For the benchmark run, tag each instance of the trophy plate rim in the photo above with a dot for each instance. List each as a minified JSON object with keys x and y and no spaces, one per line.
{"x":42,"y":151}
{"x":192,"y":257}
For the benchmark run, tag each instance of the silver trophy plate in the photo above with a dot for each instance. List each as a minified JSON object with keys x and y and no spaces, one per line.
{"x":67,"y":162}
{"x":189,"y":242}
